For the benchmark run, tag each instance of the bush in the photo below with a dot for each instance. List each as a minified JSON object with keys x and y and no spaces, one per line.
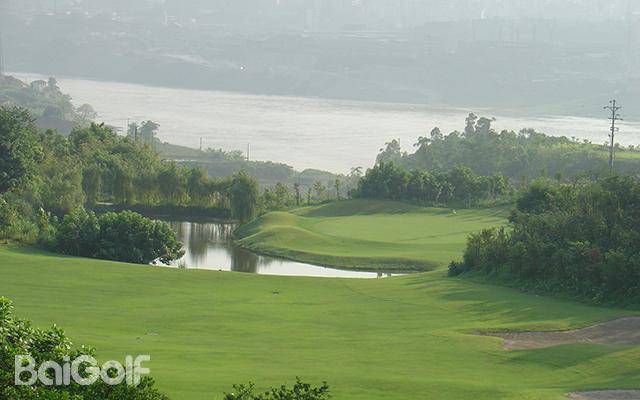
{"x":14,"y":223}
{"x":79,"y":233}
{"x":578,"y":239}
{"x":455,"y":269}
{"x":299,"y":391}
{"x":125,"y":236}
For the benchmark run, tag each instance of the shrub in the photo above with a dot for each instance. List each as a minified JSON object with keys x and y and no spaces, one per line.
{"x":299,"y":391}
{"x":79,"y":233}
{"x":14,"y":224}
{"x":455,"y":268}
{"x":125,"y":236}
{"x":579,"y":239}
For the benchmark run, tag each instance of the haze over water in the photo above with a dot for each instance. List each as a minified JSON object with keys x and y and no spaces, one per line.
{"x":333,"y":135}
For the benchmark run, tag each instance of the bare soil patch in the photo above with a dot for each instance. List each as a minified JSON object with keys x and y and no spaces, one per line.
{"x":606,"y":395}
{"x":624,"y":331}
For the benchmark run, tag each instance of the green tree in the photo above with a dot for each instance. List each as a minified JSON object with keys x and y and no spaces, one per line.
{"x":199,"y":187}
{"x":133,"y":132}
{"x":92,"y":183}
{"x":125,"y":236}
{"x":356,"y":172}
{"x":320,"y":190}
{"x":172,"y":182}
{"x":86,"y":112}
{"x":130,"y":237}
{"x":391,"y":152}
{"x":19,"y":149}
{"x":282,"y":195}
{"x":436,"y":135}
{"x":122,"y":181}
{"x":148,"y":132}
{"x":78,"y":234}
{"x":296,"y":189}
{"x":470,"y":125}
{"x":245,"y":197}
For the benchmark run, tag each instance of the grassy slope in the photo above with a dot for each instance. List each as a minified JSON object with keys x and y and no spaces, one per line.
{"x":398,"y":338}
{"x":366,"y":234}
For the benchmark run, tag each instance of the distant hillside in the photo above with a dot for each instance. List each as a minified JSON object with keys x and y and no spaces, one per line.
{"x":523,"y":155}
{"x":51,"y":108}
{"x":221,"y":163}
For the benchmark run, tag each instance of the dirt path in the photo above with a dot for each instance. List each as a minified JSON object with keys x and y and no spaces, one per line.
{"x":620,"y":331}
{"x":607,"y":395}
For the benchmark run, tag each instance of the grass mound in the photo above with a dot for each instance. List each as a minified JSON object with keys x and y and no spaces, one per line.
{"x":368,"y":234}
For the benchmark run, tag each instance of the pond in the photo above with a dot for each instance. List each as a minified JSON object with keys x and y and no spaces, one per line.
{"x":209,"y":246}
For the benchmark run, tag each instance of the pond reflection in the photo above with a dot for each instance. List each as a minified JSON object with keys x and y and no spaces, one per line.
{"x":209,"y":246}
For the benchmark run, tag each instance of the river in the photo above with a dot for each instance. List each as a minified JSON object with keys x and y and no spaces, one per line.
{"x":209,"y":246}
{"x":333,"y":135}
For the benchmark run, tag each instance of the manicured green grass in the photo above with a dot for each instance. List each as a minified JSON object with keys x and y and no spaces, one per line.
{"x":407,"y":337}
{"x":368,"y":234}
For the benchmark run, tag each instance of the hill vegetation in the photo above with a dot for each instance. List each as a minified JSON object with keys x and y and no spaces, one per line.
{"x":51,"y":108}
{"x":521,"y":156}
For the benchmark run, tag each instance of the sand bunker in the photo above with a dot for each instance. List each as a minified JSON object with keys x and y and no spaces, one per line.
{"x":606,"y":395}
{"x":620,"y":331}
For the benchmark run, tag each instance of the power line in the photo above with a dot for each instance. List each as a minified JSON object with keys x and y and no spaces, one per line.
{"x":615,"y":116}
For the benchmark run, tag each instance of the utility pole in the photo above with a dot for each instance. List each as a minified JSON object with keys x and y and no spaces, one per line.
{"x":615,"y":116}
{"x":200,"y":143}
{"x":248,"y":148}
{"x":1,"y":57}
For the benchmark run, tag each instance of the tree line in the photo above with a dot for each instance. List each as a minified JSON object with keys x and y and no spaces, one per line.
{"x":579,"y":239}
{"x":459,"y":186}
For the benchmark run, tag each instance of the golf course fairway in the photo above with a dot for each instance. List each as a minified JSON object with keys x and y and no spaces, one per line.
{"x":369,"y":234}
{"x":407,"y":337}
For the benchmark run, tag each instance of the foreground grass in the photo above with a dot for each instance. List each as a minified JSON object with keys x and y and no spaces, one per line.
{"x":400,"y":338}
{"x":368,"y":234}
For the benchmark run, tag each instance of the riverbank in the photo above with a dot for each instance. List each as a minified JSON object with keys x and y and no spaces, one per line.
{"x":368,"y":235}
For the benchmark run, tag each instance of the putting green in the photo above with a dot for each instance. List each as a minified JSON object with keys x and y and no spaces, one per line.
{"x":369,"y":234}
{"x":408,"y":337}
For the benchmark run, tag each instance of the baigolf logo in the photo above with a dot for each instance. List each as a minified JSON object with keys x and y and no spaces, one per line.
{"x":83,"y":370}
